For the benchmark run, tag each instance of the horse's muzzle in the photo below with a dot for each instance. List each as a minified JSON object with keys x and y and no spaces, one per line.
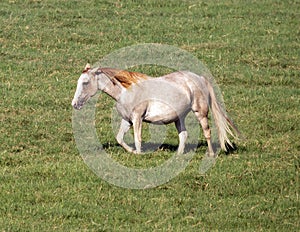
{"x":76,"y":105}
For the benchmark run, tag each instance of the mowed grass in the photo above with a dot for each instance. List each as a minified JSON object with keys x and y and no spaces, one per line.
{"x":252,"y":49}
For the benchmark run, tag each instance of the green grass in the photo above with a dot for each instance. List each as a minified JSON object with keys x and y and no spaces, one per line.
{"x":252,"y":49}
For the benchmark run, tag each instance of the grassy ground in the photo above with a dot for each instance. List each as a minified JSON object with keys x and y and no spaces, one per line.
{"x":251,"y":47}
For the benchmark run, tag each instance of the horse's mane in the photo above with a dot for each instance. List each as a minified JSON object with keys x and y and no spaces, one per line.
{"x":125,"y":78}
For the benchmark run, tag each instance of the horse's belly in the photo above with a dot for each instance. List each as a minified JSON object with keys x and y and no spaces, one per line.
{"x":160,"y":112}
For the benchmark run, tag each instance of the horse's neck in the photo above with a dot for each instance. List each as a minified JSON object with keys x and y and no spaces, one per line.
{"x":113,"y":90}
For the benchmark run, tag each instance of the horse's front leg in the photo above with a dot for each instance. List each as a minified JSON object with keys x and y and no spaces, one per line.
{"x":137,"y":130}
{"x":120,"y":136}
{"x":182,"y":133}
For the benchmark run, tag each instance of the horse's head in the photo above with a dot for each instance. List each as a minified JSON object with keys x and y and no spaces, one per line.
{"x":87,"y":87}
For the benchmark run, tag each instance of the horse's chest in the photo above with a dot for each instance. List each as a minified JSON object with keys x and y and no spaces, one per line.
{"x":124,"y":111}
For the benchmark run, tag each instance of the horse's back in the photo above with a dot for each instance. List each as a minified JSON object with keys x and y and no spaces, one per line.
{"x":189,"y":81}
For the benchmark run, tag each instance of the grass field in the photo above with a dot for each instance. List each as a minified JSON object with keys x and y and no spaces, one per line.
{"x":251,"y":47}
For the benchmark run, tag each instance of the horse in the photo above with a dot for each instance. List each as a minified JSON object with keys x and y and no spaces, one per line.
{"x":159,"y":100}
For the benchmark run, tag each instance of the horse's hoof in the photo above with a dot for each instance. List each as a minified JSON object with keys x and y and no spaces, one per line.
{"x":137,"y":152}
{"x":211,"y":155}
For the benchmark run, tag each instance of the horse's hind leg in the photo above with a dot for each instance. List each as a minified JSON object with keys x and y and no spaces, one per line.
{"x":182,"y":133}
{"x":120,"y":136}
{"x":202,"y":116}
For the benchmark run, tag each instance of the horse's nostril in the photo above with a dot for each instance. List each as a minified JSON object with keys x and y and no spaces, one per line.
{"x":77,"y":106}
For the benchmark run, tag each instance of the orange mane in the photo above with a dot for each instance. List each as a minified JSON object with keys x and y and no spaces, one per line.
{"x":125,"y":78}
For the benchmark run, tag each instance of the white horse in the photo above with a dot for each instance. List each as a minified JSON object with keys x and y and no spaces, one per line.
{"x":160,"y":100}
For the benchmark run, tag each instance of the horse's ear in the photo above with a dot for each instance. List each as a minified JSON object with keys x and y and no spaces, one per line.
{"x":88,"y":66}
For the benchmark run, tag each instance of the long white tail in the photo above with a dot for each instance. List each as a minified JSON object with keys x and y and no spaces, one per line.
{"x":223,"y":123}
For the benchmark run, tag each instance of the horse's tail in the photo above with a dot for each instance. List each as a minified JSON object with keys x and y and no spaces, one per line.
{"x":223,"y":123}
